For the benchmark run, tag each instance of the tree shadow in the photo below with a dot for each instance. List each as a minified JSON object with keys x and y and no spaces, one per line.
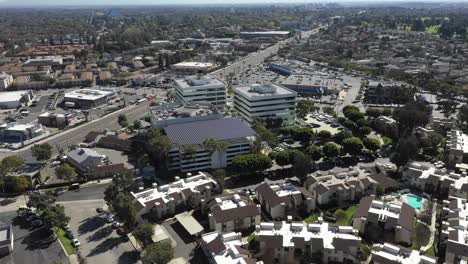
{"x":100,"y":234}
{"x":128,"y":257}
{"x":7,"y":201}
{"x":36,"y":240}
{"x":91,"y":224}
{"x":106,"y":245}
{"x":182,"y":233}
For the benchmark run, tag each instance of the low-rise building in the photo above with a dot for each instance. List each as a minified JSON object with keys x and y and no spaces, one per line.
{"x":455,"y":230}
{"x":386,"y":125}
{"x":330,"y":188}
{"x":14,"y":99}
{"x":395,"y":217}
{"x":85,"y":159}
{"x":282,"y":242}
{"x":392,"y":254}
{"x":193,"y":67}
{"x":191,"y":150}
{"x":388,"y":93}
{"x":165,"y":200}
{"x":176,"y":113}
{"x":271,"y":103}
{"x":7,"y":240}
{"x":457,"y":147}
{"x":284,"y":200}
{"x":201,"y":89}
{"x":14,"y":132}
{"x":233,"y":213}
{"x":226,"y":249}
{"x":5,"y":81}
{"x":54,"y":120}
{"x":87,"y":98}
{"x":265,"y":34}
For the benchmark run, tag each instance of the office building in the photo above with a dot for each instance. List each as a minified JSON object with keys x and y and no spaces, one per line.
{"x":14,"y":132}
{"x":201,"y":89}
{"x":175,"y":113}
{"x":87,"y":98}
{"x":14,"y":99}
{"x":5,"y":81}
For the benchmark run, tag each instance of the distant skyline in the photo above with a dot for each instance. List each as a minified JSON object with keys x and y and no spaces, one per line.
{"x":38,"y":3}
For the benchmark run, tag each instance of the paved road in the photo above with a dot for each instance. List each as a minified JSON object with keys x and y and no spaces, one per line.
{"x":76,"y":135}
{"x":90,"y":192}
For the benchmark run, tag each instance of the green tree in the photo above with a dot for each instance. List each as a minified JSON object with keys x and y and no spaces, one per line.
{"x":304,"y":107}
{"x":371,"y":144}
{"x":353,"y":114}
{"x":125,"y":209}
{"x":21,"y":183}
{"x":121,"y":183}
{"x":158,"y":253}
{"x":282,"y":158}
{"x":41,"y":200}
{"x":9,"y":165}
{"x":160,"y":146}
{"x":406,"y":150}
{"x":380,"y":190}
{"x":324,"y":134}
{"x":463,"y":115}
{"x":65,"y":172}
{"x":352,"y":145}
{"x":250,"y":163}
{"x":264,"y":134}
{"x":190,"y":152}
{"x":410,"y":116}
{"x":220,"y":176}
{"x":123,"y":120}
{"x":42,"y":152}
{"x":365,"y":130}
{"x":342,"y":135}
{"x":144,"y":233}
{"x":300,"y":165}
{"x":331,"y":150}
{"x":54,"y":215}
{"x":214,"y":145}
{"x":314,"y":152}
{"x":136,"y":124}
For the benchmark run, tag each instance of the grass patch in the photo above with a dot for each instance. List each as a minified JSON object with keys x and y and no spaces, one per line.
{"x":228,"y":191}
{"x":365,"y":250}
{"x":376,"y":248}
{"x":431,"y":251}
{"x":251,"y":237}
{"x":345,"y":217}
{"x":312,"y":218}
{"x":421,"y":235}
{"x":67,"y":244}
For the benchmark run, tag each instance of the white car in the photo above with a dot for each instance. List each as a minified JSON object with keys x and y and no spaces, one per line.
{"x":75,"y":242}
{"x":110,"y":218}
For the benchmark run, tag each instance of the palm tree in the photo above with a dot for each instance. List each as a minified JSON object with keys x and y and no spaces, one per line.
{"x":213,"y":146}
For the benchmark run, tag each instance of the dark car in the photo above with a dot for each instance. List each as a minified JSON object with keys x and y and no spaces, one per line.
{"x":99,"y":210}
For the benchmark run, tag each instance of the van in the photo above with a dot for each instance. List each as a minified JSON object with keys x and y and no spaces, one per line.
{"x":75,"y":186}
{"x":141,"y":101}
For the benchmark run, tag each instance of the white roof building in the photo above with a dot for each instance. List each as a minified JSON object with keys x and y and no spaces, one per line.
{"x":457,"y":147}
{"x":455,"y":230}
{"x":193,"y":66}
{"x":14,"y":99}
{"x":226,"y":248}
{"x":201,"y":89}
{"x":88,"y":94}
{"x":85,"y":159}
{"x":395,"y":254}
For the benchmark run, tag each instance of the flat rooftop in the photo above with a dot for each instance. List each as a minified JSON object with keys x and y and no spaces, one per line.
{"x":263,"y":90}
{"x":265,"y":32}
{"x":193,"y":64}
{"x":12,"y":96}
{"x":88,"y":94}
{"x":191,"y":82}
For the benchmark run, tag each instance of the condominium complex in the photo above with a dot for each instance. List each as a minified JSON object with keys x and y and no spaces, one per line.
{"x":201,"y":89}
{"x":233,"y":213}
{"x":266,"y":102}
{"x":164,"y":200}
{"x":395,"y":217}
{"x":338,"y":188}
{"x":282,"y":242}
{"x":392,"y":254}
{"x":457,"y":147}
{"x":284,"y":200}
{"x":191,"y":150}
{"x":455,"y":230}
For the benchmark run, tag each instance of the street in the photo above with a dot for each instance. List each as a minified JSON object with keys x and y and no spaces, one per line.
{"x":90,"y":192}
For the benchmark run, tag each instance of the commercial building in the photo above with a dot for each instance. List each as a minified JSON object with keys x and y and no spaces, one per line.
{"x":45,"y":61}
{"x":15,"y":99}
{"x":341,"y":187}
{"x":280,"y":201}
{"x":281,"y":69}
{"x":165,"y":200}
{"x":271,"y":103}
{"x":455,"y":230}
{"x":457,"y":147}
{"x":175,"y":113}
{"x":282,"y":242}
{"x":192,"y":67}
{"x":226,"y":249}
{"x":5,"y":80}
{"x":201,"y":89}
{"x":392,"y":254}
{"x":14,"y":132}
{"x":7,"y":240}
{"x":265,"y":34}
{"x":54,"y":120}
{"x":232,"y":213}
{"x":394,"y":217}
{"x":87,"y":98}
{"x":190,"y":151}
{"x":308,"y":85}
{"x":85,"y":159}
{"x":388,"y":93}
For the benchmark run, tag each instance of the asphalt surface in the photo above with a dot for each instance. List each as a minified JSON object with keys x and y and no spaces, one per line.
{"x":90,"y":192}
{"x":29,"y":245}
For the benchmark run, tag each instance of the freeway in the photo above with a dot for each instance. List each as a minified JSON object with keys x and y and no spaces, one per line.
{"x":76,"y":135}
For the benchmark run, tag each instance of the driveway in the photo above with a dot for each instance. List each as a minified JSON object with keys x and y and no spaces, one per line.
{"x":184,"y":244}
{"x":99,"y":241}
{"x":29,"y":245}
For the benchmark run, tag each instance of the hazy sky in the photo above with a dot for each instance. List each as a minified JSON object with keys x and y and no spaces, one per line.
{"x":169,"y":2}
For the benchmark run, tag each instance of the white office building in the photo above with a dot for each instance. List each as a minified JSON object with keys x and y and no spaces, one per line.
{"x":267,"y":102}
{"x":15,"y":99}
{"x":201,"y":89}
{"x":87,"y":98}
{"x":5,"y":80}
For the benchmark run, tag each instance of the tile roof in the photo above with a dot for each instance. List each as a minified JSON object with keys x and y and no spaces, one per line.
{"x":271,"y":196}
{"x":363,"y":207}
{"x":321,"y":189}
{"x":216,"y":246}
{"x":406,"y":218}
{"x":385,"y":181}
{"x":222,"y":216}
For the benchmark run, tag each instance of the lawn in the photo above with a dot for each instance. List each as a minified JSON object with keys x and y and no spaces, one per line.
{"x":67,"y":244}
{"x":312,"y":218}
{"x":251,"y":237}
{"x":421,"y":235}
{"x":431,"y":251}
{"x":345,"y":217}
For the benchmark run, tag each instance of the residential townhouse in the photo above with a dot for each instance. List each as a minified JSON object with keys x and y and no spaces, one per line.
{"x":232,"y":213}
{"x":282,"y":242}
{"x":280,"y":201}
{"x":226,"y":248}
{"x":393,"y":254}
{"x":393,"y":217}
{"x":457,"y":147}
{"x":339,"y":188}
{"x":455,"y":230}
{"x":166,"y":200}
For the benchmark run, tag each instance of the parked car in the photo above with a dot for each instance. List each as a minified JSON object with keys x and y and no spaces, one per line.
{"x":120,"y":230}
{"x":75,"y":242}
{"x":110,"y":218}
{"x":36,"y":223}
{"x":99,"y":210}
{"x":116,"y":224}
{"x":70,"y":235}
{"x":32,"y":217}
{"x":67,"y":228}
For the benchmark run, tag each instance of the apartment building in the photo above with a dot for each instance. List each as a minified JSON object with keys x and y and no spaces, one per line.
{"x":226,"y":248}
{"x":232,"y":213}
{"x":338,"y":188}
{"x":271,"y":103}
{"x":393,"y":254}
{"x":457,"y":147}
{"x":394,"y":217}
{"x":191,"y":150}
{"x":455,"y":230}
{"x":436,"y":180}
{"x":165,"y":200}
{"x":201,"y":89}
{"x":284,"y":200}
{"x":5,"y":81}
{"x":282,"y":242}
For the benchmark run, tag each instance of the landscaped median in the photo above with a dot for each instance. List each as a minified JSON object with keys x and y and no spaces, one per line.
{"x":66,"y":243}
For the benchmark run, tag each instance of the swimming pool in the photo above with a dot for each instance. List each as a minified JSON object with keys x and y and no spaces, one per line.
{"x":414,"y":201}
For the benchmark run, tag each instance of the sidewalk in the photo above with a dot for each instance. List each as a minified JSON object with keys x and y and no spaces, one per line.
{"x":12,"y":204}
{"x":432,"y":228}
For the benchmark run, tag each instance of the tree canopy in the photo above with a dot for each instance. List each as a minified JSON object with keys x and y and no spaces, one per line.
{"x":371,"y":144}
{"x":410,"y":116}
{"x":331,"y":150}
{"x":250,"y":163}
{"x":158,"y":253}
{"x":65,"y":172}
{"x":42,"y":152}
{"x":144,"y":233}
{"x":352,"y":145}
{"x":54,"y":215}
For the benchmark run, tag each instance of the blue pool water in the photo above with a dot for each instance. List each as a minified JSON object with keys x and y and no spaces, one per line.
{"x":414,"y":201}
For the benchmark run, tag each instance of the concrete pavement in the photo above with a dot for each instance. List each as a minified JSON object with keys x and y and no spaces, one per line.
{"x":432,"y":228}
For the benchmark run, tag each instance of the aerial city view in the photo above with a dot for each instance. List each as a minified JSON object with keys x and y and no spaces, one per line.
{"x":233,"y":132}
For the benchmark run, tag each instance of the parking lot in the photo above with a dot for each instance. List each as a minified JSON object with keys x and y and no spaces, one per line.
{"x":99,"y":241}
{"x":31,"y":245}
